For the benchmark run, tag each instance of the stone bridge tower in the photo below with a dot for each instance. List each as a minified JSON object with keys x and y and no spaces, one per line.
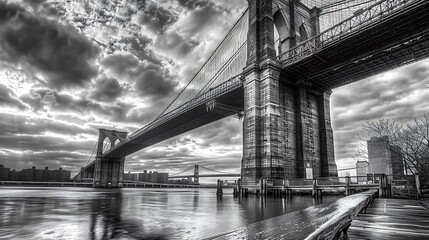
{"x":287,"y":129}
{"x":108,"y":172}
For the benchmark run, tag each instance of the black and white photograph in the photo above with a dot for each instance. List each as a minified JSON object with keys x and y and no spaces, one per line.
{"x":214,"y":119}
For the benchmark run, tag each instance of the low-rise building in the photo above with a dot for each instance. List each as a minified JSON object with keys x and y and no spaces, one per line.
{"x":4,"y":173}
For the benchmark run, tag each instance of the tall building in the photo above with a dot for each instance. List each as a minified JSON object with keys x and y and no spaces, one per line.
{"x":362,"y":170}
{"x":383,"y":157}
{"x":397,"y":160}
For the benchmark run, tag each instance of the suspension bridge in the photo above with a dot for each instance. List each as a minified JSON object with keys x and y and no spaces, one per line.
{"x":197,"y":171}
{"x":275,"y":69}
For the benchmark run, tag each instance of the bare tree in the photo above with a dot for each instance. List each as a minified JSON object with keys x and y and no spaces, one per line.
{"x":411,"y":141}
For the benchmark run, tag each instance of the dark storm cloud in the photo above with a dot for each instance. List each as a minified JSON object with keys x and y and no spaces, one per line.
{"x":106,"y":90}
{"x":59,"y":52}
{"x":115,"y":112}
{"x":84,"y":107}
{"x":7,"y":99}
{"x":138,"y":46}
{"x":16,"y":124}
{"x":150,"y":79}
{"x":155,"y":18}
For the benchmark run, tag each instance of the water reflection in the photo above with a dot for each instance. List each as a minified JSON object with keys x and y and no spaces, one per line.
{"x":107,"y":221}
{"x":79,"y":213}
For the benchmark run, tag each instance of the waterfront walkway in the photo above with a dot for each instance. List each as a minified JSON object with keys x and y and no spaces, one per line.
{"x":392,"y":219}
{"x":324,"y":221}
{"x":381,"y":219}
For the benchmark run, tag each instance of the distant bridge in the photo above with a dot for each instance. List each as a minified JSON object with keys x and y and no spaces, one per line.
{"x":195,"y":173}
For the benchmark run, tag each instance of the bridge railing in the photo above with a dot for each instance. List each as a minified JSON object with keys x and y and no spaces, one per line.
{"x":230,"y":85}
{"x":356,"y":22}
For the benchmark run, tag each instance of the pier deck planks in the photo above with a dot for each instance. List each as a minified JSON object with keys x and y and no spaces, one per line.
{"x":391,"y":219}
{"x":312,"y":223}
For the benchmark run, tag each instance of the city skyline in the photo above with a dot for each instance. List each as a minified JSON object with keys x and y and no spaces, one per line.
{"x":122,"y":74}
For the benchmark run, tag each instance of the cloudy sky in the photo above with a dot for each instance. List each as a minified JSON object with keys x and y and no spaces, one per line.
{"x":70,"y":67}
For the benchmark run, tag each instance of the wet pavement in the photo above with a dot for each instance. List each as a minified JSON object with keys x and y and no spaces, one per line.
{"x":392,"y":219}
{"x":311,"y":223}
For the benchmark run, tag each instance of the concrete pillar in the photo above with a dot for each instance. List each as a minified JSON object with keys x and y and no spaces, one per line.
{"x":108,"y":173}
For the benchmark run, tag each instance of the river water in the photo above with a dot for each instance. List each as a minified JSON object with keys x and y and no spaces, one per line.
{"x":87,"y":213}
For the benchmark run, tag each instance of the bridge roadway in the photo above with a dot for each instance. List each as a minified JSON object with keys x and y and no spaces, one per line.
{"x":388,"y":36}
{"x":191,"y":115}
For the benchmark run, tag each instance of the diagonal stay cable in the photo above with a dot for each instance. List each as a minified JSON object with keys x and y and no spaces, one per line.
{"x":95,"y":145}
{"x":227,"y":64}
{"x":208,"y":60}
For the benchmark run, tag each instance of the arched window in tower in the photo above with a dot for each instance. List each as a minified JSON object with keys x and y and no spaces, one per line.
{"x":281,"y":32}
{"x":107,"y":144}
{"x":276,"y":41}
{"x":303,"y":33}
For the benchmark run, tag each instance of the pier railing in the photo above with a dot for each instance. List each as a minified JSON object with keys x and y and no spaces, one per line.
{"x":325,"y":221}
{"x":406,"y":186}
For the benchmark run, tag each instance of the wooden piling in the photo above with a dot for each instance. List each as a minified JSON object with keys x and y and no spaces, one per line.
{"x":418,"y":188}
{"x":239,"y":187}
{"x":219,"y":191}
{"x":347,"y":185}
{"x":314,"y":190}
{"x":263,"y":186}
{"x":235,"y":192}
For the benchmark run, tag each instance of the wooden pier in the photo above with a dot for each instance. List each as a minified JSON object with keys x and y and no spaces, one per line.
{"x":392,"y":219}
{"x":325,"y":221}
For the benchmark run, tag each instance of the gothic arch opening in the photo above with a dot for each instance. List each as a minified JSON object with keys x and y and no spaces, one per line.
{"x":106,"y":144}
{"x":303,"y":33}
{"x":281,"y":32}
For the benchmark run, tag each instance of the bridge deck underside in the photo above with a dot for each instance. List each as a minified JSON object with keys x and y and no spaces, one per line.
{"x":189,"y":120}
{"x":400,"y":39}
